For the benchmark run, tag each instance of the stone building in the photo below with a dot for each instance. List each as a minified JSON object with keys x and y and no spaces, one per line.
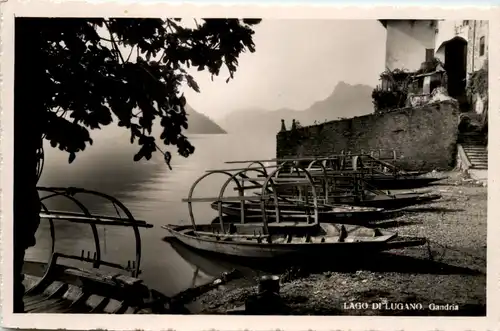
{"x":408,"y":43}
{"x":461,"y":45}
{"x":426,"y":136}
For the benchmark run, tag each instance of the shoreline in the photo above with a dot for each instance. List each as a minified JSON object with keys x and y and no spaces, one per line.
{"x":403,"y":282}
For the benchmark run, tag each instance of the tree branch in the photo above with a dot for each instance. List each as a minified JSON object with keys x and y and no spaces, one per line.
{"x":113,"y":42}
{"x":128,"y":57}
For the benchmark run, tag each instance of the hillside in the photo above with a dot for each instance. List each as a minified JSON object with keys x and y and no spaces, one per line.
{"x":201,"y":124}
{"x":345,"y":101}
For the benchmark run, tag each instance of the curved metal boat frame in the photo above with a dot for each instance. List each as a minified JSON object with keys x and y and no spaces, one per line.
{"x":268,"y":191}
{"x":92,"y":220}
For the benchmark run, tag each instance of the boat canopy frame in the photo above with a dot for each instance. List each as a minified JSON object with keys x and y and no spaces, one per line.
{"x":87,"y":217}
{"x":270,"y":180}
{"x":338,"y":163}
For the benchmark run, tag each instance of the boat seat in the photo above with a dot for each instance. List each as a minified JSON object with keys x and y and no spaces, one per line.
{"x":275,"y":225}
{"x":227,"y":235}
{"x":102,"y":277}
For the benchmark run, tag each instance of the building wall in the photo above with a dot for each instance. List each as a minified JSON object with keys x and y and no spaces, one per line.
{"x":407,"y":41}
{"x":424,"y":138}
{"x":446,"y":30}
{"x":475,"y":60}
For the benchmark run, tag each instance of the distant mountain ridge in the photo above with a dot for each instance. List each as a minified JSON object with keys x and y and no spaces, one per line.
{"x":344,"y":102}
{"x":201,"y":124}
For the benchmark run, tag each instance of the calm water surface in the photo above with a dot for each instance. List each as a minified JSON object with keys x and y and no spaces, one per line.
{"x":152,"y":192}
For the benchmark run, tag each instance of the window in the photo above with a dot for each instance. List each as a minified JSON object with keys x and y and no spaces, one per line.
{"x":466,"y":22}
{"x":429,"y":54}
{"x":481,"y":46}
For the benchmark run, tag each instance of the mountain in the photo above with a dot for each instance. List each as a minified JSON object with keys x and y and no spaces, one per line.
{"x":201,"y":124}
{"x":345,"y":101}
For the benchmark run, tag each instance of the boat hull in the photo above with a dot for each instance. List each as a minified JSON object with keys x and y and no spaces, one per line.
{"x":345,"y":214}
{"x":391,"y":183}
{"x":386,"y":202}
{"x":397,"y":201}
{"x":256,"y":250}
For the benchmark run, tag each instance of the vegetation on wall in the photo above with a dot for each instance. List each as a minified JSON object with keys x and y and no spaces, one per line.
{"x":384,"y":101}
{"x":397,"y":81}
{"x":478,"y":82}
{"x":393,"y":95}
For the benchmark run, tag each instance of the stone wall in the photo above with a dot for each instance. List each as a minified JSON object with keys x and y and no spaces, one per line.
{"x":424,"y":138}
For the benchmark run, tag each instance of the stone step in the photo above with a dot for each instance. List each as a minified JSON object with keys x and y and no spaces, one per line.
{"x":477,"y":156}
{"x":475,"y":164}
{"x":473,"y":144}
{"x":479,"y":167}
{"x":475,"y":139}
{"x":476,"y":149}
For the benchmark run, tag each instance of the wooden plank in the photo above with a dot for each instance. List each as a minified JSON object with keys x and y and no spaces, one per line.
{"x":92,"y":276}
{"x":252,"y":187}
{"x":241,"y":169}
{"x":104,"y":277}
{"x":93,"y":220}
{"x":227,"y":199}
{"x":131,"y":281}
{"x":73,"y":293}
{"x":30,"y":281}
{"x":227,"y":235}
{"x":31,"y":299}
{"x":279,"y":180}
{"x":272,"y":215}
{"x":44,"y":306}
{"x":96,"y":303}
{"x":113,"y":306}
{"x":52,"y":306}
{"x":274,"y":225}
{"x":106,"y":217}
{"x":55,"y":289}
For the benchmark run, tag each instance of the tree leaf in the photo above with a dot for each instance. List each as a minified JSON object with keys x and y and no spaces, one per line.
{"x":72,"y":157}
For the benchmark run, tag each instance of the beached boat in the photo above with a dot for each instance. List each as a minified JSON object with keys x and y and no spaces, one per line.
{"x":290,"y":184}
{"x":336,"y":213}
{"x":279,"y":237}
{"x":377,"y":173}
{"x":389,"y":182}
{"x":387,"y":201}
{"x":252,"y":241}
{"x":86,"y":283}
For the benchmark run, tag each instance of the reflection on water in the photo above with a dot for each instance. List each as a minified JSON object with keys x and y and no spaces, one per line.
{"x":152,"y":192}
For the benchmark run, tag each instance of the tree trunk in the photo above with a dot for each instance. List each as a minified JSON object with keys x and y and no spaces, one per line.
{"x":28,"y":128}
{"x":26,"y":200}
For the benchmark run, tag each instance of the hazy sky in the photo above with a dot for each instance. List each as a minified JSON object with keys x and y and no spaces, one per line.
{"x":296,"y":63}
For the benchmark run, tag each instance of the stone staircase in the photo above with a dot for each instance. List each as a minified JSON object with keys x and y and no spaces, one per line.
{"x":475,"y":148}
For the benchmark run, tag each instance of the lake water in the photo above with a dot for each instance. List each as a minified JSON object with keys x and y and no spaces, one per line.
{"x":152,"y":192}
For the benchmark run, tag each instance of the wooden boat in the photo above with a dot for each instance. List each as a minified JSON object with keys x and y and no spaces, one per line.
{"x":376,"y":172}
{"x":327,"y":213}
{"x":386,"y":201}
{"x":292,"y":187}
{"x":86,"y":283}
{"x":386,"y":182}
{"x":65,"y":289}
{"x":280,"y":238}
{"x":251,"y":240}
